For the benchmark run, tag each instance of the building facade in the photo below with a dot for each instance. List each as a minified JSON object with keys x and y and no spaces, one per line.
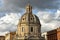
{"x":10,"y":36}
{"x":53,"y":34}
{"x":58,"y":33}
{"x":29,"y":27}
{"x":2,"y":37}
{"x":7,"y":36}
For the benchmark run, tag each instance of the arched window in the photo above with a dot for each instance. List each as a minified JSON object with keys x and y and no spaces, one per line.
{"x":31,"y":29}
{"x":22,"y":29}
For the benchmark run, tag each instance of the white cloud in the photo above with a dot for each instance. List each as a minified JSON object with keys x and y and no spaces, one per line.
{"x":57,"y":14}
{"x":3,"y":33}
{"x":45,"y":16}
{"x":49,"y":21}
{"x":9,"y":22}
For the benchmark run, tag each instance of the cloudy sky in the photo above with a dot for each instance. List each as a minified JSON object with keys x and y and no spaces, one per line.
{"x":48,"y":12}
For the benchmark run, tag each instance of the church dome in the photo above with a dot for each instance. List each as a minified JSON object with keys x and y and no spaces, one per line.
{"x":29,"y":27}
{"x":28,"y":17}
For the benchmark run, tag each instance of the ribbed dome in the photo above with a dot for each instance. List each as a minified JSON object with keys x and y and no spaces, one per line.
{"x":28,"y":17}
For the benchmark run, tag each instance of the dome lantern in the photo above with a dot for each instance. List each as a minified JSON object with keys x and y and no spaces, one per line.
{"x":29,"y":8}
